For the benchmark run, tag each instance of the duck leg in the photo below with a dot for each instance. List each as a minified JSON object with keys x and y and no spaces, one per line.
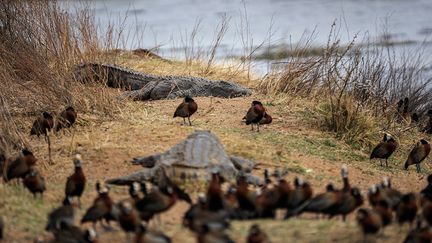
{"x":386,"y":163}
{"x":47,"y":138}
{"x":252,"y":127}
{"x":418,"y":168}
{"x":257,"y":127}
{"x":184,"y":121}
{"x":190,"y":123}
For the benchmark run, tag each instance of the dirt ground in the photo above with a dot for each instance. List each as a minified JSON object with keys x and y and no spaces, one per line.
{"x":143,"y":128}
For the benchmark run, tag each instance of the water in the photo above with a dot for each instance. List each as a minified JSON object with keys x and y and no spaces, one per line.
{"x":168,"y":23}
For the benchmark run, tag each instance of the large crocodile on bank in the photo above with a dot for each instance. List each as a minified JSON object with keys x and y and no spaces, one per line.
{"x":192,"y":159}
{"x":142,"y":86}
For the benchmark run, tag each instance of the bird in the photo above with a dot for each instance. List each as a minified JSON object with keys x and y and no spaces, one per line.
{"x":419,"y":233}
{"x":267,"y":119}
{"x":320,"y":203}
{"x":256,"y":235}
{"x":415,"y":118}
{"x":43,"y":125}
{"x":64,"y":214}
{"x":101,"y":208}
{"x":20,"y":166}
{"x":198,"y":215}
{"x":427,"y":211}
{"x":206,"y":235}
{"x":369,"y":220}
{"x":385,"y":212}
{"x":144,"y":235}
{"x":215,"y":199}
{"x":186,"y":109}
{"x":255,"y":114}
{"x":344,"y":174}
{"x":420,"y":151}
{"x":426,"y":193}
{"x":128,"y":219}
{"x":301,"y":193}
{"x":347,"y":203}
{"x":1,"y":228}
{"x":71,"y":233}
{"x":384,"y":149}
{"x":34,"y":182}
{"x":159,"y":200}
{"x":405,"y":112}
{"x":67,"y":118}
{"x":75,"y":183}
{"x":407,"y":209}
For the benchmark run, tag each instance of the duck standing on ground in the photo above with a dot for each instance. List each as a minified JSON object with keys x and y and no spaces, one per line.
{"x":418,"y":154}
{"x":255,"y":114}
{"x":384,"y":149}
{"x":75,"y":183}
{"x":186,"y":109}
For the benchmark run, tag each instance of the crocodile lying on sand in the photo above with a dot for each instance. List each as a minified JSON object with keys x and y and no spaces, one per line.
{"x":142,"y":86}
{"x":192,"y":159}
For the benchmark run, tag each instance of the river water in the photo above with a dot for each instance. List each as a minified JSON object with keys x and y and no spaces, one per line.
{"x":168,"y":24}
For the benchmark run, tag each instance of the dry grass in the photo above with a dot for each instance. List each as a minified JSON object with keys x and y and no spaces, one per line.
{"x":358,"y":84}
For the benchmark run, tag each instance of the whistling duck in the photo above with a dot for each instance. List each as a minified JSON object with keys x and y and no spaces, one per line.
{"x":349,"y":201}
{"x":144,"y":235}
{"x":20,"y":166}
{"x":214,"y":193}
{"x":34,"y":182}
{"x":186,"y":109}
{"x":67,"y":118}
{"x":418,"y":154}
{"x":256,"y":235}
{"x":75,"y":183}
{"x":406,"y":211}
{"x":255,"y":114}
{"x":128,"y":219}
{"x":419,"y":234}
{"x":267,"y":119}
{"x":64,"y":214}
{"x":101,"y":208}
{"x":207,"y":236}
{"x":42,"y":125}
{"x":384,"y":149}
{"x":369,"y":220}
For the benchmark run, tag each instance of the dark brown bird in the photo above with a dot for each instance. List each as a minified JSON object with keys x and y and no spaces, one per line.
{"x":384,"y":210}
{"x":405,"y":112}
{"x":419,"y":234}
{"x":400,"y":106}
{"x":406,"y":211}
{"x":255,"y":114}
{"x":349,"y":201}
{"x":101,"y":208}
{"x":1,"y":228}
{"x":427,"y":211}
{"x":128,"y":219}
{"x":144,"y":235}
{"x":415,"y":118}
{"x":384,"y":192}
{"x":198,"y":215}
{"x":206,"y":235}
{"x":42,"y":125}
{"x":369,"y":221}
{"x":215,"y":198}
{"x":267,"y":119}
{"x":384,"y":149}
{"x":428,"y":128}
{"x":75,"y":183}
{"x":426,"y":193}
{"x":74,"y":234}
{"x":64,"y":214}
{"x":321,"y":203}
{"x":159,"y":200}
{"x":34,"y":182}
{"x":256,"y":235}
{"x":20,"y":166}
{"x":67,"y":118}
{"x":186,"y":109}
{"x":301,"y":193}
{"x":418,"y":154}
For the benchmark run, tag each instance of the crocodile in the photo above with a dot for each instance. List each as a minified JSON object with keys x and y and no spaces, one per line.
{"x":194,"y":158}
{"x":143,"y":86}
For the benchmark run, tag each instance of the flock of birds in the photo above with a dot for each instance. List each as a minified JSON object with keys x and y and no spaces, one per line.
{"x":210,"y":216}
